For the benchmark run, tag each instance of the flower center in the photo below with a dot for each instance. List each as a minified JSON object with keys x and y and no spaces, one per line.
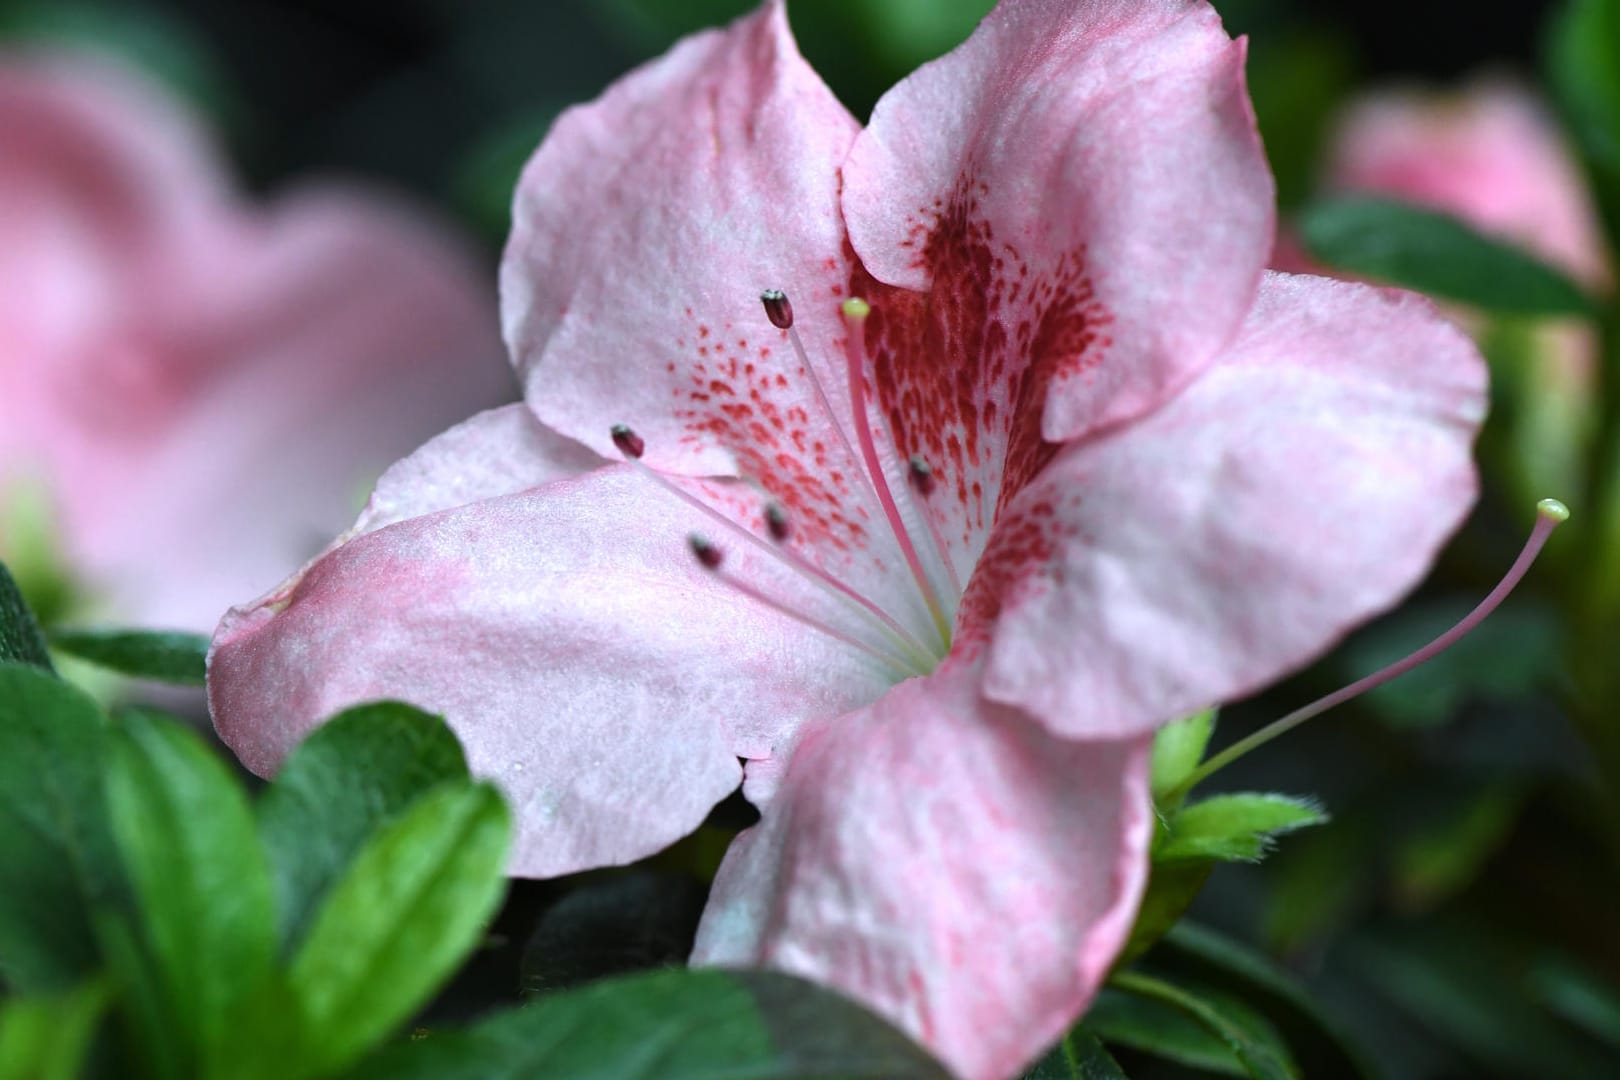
{"x":909,"y":639}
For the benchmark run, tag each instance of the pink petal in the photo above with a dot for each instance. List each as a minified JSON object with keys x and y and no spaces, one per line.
{"x":1074,"y":209}
{"x":645,"y":228}
{"x":947,"y":862}
{"x":345,"y":330}
{"x":1301,"y":485}
{"x":589,"y":665}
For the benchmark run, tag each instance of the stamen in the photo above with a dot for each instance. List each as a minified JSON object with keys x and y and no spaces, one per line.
{"x":629,"y":443}
{"x":707,"y":554}
{"x":712,"y":558}
{"x":921,"y":476}
{"x":918,"y":656}
{"x":776,"y":522}
{"x":786,"y":310}
{"x":855,"y":311}
{"x":1550,"y":513}
{"x":778,"y":309}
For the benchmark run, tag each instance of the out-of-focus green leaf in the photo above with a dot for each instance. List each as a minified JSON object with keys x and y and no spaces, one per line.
{"x":1080,"y":1056}
{"x":48,"y":1038}
{"x":145,"y":38}
{"x":1514,"y":655}
{"x":1177,"y":750}
{"x":671,"y":1025}
{"x":631,"y":921}
{"x":1445,"y":853}
{"x":1297,"y":79}
{"x":1584,"y":69}
{"x":159,"y":655}
{"x":1437,"y":254}
{"x":1464,"y":986}
{"x":1579,"y":997}
{"x":1239,"y":827}
{"x":1322,"y":1045}
{"x":56,"y":854}
{"x":349,"y":777}
{"x":1249,"y":1038}
{"x":185,"y":831}
{"x":486,"y":179}
{"x":407,"y":911}
{"x":1318,"y":882}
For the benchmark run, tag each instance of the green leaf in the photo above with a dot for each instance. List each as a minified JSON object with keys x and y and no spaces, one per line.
{"x":1234,"y":828}
{"x":20,"y":637}
{"x":185,"y":832}
{"x":1178,"y":749}
{"x":56,"y":854}
{"x":1436,"y":254}
{"x":1321,"y":1043}
{"x":1080,"y":1056}
{"x":48,"y":1038}
{"x":1172,"y":887}
{"x":630,"y":921}
{"x":1579,"y":997}
{"x":409,"y":909}
{"x":1255,"y":1047}
{"x":1584,"y":69}
{"x":671,"y":1025}
{"x":349,"y":777}
{"x":159,"y":655}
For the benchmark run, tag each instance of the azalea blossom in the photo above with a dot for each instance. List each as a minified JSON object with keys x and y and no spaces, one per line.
{"x":1491,"y":154}
{"x":909,"y":476}
{"x":197,"y":390}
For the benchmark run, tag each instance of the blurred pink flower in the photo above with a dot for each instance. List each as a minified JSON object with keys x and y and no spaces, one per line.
{"x":1489,"y":155}
{"x":1079,"y":471}
{"x":203,"y":389}
{"x":1492,"y":156}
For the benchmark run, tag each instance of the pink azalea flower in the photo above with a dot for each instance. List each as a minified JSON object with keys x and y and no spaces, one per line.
{"x":202,"y":389}
{"x":933,"y":564}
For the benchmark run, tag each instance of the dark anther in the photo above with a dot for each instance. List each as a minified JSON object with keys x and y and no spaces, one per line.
{"x":776,"y":520}
{"x":629,"y":443}
{"x":707,"y":554}
{"x":921,"y":476}
{"x":777,"y":308}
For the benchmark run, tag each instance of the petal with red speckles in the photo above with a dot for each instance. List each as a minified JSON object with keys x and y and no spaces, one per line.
{"x":1300,"y":485}
{"x":949,"y":863}
{"x":588,"y":664}
{"x":1073,"y":209}
{"x":644,"y":230}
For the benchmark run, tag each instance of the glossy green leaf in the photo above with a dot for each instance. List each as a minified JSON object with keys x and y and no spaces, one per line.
{"x":1237,"y":828}
{"x":1172,"y":887}
{"x":1322,"y":1045}
{"x":162,"y":656}
{"x":48,"y":1038}
{"x":1178,"y":748}
{"x":56,"y":854}
{"x":1249,"y":1039}
{"x":1435,"y":254}
{"x":185,"y":832}
{"x":352,"y":775}
{"x":1080,"y":1056}
{"x":20,"y":637}
{"x":393,"y":927}
{"x":670,"y":1025}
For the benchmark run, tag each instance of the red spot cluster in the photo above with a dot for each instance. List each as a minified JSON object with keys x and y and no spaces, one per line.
{"x":961,"y":371}
{"x":737,"y":393}
{"x":1023,"y":544}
